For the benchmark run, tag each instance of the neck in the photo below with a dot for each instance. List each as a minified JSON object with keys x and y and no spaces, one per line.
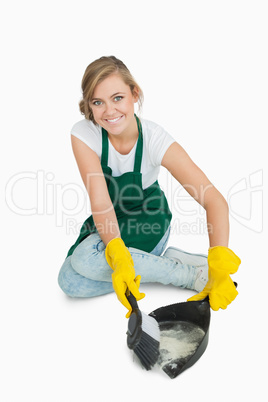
{"x":130,"y":134}
{"x":126,"y":140}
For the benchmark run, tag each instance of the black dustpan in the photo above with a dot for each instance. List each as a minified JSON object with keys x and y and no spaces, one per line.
{"x":184,"y":330}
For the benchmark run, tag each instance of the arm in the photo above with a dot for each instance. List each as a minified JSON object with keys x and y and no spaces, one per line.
{"x":117,"y":255}
{"x":221,"y":260}
{"x":92,"y":175}
{"x":184,"y":170}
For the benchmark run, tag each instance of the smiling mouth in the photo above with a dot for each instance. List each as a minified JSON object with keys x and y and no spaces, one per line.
{"x":115,"y":120}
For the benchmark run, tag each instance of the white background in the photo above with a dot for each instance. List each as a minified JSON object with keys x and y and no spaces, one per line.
{"x":203,"y":68}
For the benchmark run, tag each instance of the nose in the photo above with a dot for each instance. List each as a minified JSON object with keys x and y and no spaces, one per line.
{"x":110,"y":108}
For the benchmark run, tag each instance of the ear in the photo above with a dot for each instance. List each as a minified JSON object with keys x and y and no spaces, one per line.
{"x":135,"y":94}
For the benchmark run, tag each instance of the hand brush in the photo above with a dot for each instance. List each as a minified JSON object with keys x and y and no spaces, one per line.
{"x":143,"y":335}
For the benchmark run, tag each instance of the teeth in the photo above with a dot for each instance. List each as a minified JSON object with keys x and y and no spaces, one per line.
{"x":113,"y":120}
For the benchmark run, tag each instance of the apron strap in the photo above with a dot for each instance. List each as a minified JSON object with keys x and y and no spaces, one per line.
{"x":105,"y":147}
{"x":139,"y":149}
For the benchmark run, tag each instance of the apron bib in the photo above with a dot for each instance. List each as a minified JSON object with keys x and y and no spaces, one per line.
{"x":143,"y":215}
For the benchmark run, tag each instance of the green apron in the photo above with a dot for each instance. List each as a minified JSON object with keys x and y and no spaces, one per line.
{"x":143,"y":215}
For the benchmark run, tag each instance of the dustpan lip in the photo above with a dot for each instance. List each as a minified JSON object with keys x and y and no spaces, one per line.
{"x":194,"y":312}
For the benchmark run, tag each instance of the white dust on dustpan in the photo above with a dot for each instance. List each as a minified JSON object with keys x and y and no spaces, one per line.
{"x":179,"y":342}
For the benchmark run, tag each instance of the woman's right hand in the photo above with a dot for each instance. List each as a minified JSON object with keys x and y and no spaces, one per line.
{"x":123,"y":277}
{"x":117,"y":254}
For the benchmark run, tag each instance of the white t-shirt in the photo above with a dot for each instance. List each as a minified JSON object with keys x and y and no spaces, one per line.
{"x":155,"y":143}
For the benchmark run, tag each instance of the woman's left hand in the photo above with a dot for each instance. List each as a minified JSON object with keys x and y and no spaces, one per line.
{"x":220,"y":288}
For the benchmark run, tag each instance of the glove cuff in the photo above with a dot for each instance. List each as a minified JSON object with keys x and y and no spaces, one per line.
{"x":220,"y":257}
{"x":109,"y":251}
{"x":114,"y":249}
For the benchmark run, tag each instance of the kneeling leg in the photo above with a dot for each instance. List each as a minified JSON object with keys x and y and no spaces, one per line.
{"x":76,"y":285}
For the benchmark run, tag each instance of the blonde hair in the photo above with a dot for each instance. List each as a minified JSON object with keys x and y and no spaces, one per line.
{"x":96,"y":72}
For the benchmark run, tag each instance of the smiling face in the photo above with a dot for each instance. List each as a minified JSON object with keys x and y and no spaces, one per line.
{"x":112,"y":105}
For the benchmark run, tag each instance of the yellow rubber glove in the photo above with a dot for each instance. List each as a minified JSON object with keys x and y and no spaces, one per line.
{"x":220,"y":288}
{"x":123,"y":277}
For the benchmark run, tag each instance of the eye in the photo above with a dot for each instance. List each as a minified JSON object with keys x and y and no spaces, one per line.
{"x":118,"y":98}
{"x":96,"y":103}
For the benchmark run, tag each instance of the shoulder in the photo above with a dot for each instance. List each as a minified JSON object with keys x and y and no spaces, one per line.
{"x":150,"y":127}
{"x":85,"y":126}
{"x":157,"y":140}
{"x":153,"y":132}
{"x":86,"y":131}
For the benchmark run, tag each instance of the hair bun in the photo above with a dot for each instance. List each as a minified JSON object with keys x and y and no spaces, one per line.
{"x":82,"y":106}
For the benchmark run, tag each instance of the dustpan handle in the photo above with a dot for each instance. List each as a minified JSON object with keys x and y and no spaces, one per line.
{"x":207,"y":298}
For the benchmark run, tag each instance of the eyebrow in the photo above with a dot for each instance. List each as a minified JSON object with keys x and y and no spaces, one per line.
{"x":117,"y":93}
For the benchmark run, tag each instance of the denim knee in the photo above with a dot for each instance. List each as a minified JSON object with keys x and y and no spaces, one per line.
{"x":89,"y":261}
{"x":76,"y":285}
{"x":66,"y":280}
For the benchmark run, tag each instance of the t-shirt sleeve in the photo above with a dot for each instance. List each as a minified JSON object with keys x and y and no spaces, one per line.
{"x":159,"y":143}
{"x":87,"y":132}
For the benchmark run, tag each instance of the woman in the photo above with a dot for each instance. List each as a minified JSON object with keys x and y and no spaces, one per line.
{"x":119,"y":157}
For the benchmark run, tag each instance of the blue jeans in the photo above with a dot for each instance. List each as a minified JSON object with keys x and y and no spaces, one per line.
{"x":86,"y":272}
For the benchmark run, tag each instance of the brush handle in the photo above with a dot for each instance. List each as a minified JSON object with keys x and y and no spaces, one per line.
{"x":132,"y":300}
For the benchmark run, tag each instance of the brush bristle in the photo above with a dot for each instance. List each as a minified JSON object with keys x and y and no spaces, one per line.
{"x":150,"y":326}
{"x":147,"y":349}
